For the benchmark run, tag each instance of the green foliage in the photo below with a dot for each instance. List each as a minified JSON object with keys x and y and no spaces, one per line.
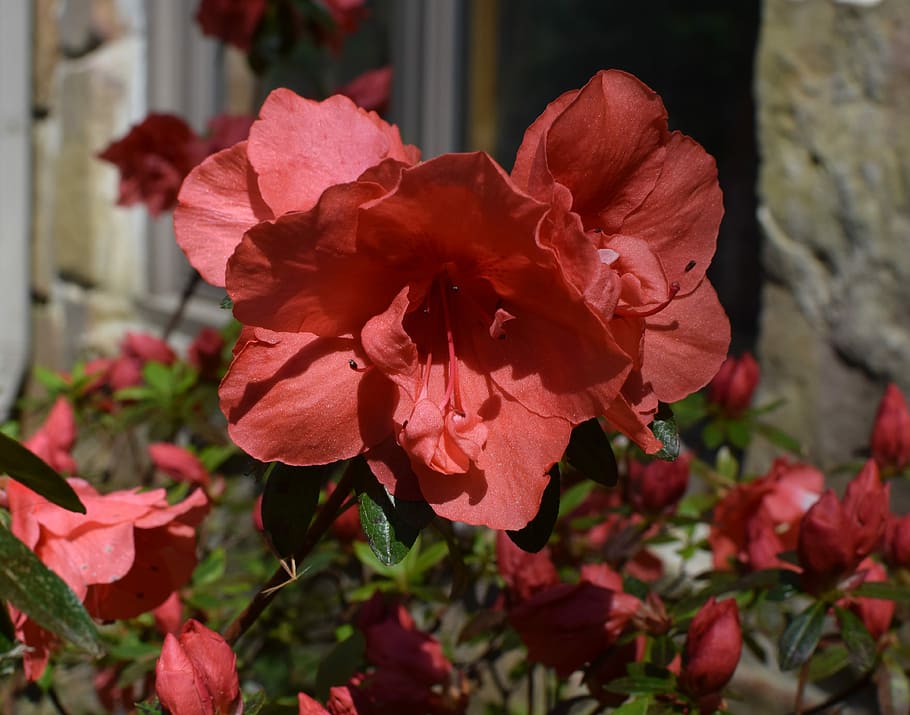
{"x":41,"y":594}
{"x":32,"y":471}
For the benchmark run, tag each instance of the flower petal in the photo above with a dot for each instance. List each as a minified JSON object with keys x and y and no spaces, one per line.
{"x":606,"y":147}
{"x":685,"y":344}
{"x":283,"y":385}
{"x":681,"y":216}
{"x":300,"y":147}
{"x":218,"y":202}
{"x":303,"y":272}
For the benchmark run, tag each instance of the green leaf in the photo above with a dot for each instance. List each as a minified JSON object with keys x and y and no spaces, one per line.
{"x":574,"y":496}
{"x":428,"y":558}
{"x":884,"y":590}
{"x":289,"y":501}
{"x":725,"y":463}
{"x":739,"y":432}
{"x":799,"y":639}
{"x":591,"y":453}
{"x":158,"y":376}
{"x":29,"y":469}
{"x":713,"y":435}
{"x":663,"y":651}
{"x":149,"y":708}
{"x":638,"y":706}
{"x":665,"y":429}
{"x":389,"y":534}
{"x":42,"y":595}
{"x":778,"y":437}
{"x":226,"y":303}
{"x":640,"y":684}
{"x":857,"y":638}
{"x":211,"y":568}
{"x":340,"y":664}
{"x":827,"y":662}
{"x":533,"y":537}
{"x":253,"y":704}
{"x":892,"y":686}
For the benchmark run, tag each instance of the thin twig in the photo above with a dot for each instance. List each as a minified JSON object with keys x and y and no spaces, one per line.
{"x":320,"y":525}
{"x":188,"y":289}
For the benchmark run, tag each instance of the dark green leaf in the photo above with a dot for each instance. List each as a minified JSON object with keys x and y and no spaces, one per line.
{"x":857,"y":638}
{"x":389,"y":534}
{"x":665,"y":429}
{"x":226,"y":303}
{"x":713,"y":435}
{"x":42,"y":595}
{"x":634,"y":685}
{"x":800,"y":638}
{"x":663,"y":651}
{"x":892,"y":686}
{"x":591,"y":453}
{"x":778,"y":437}
{"x":739,"y":432}
{"x":827,"y":662}
{"x":288,"y":503}
{"x":32,"y":471}
{"x":884,"y":590}
{"x":341,"y":664}
{"x":536,"y":534}
{"x":150,"y":708}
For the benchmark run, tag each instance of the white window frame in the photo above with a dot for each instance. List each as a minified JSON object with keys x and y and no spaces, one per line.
{"x":15,"y":197}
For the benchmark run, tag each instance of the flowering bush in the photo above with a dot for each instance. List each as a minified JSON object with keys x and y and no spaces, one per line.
{"x":446,"y":406}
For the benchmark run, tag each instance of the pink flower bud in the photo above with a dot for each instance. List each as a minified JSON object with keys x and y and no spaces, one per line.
{"x":657,"y":487}
{"x":826,"y":547}
{"x":866,"y":505}
{"x":732,"y":387}
{"x":197,"y":673}
{"x":713,"y":646}
{"x":890,"y":441}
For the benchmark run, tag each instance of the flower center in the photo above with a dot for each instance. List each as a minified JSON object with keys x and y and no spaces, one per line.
{"x":443,"y":287}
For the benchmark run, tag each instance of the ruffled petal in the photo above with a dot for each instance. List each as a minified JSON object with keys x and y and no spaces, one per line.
{"x":685,"y":344}
{"x":606,"y":146}
{"x":302,"y":400}
{"x":300,"y":147}
{"x":218,"y":202}
{"x":681,"y":216}
{"x":304,"y":273}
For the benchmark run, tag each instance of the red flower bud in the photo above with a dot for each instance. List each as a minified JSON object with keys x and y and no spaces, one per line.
{"x":524,"y":573}
{"x":890,"y":441}
{"x":197,"y":673}
{"x":875,"y":613}
{"x":567,"y":625}
{"x":205,"y":353}
{"x":657,"y":487}
{"x":826,"y":547}
{"x":713,"y":646}
{"x":866,"y":506}
{"x":732,"y":387}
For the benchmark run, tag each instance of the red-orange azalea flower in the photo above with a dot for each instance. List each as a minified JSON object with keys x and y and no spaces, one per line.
{"x":649,"y":201}
{"x":419,"y":311}
{"x":123,"y":557}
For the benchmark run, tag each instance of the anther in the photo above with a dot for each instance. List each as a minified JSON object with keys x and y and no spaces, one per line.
{"x":455,"y":289}
{"x":689,"y":266}
{"x":352,"y":364}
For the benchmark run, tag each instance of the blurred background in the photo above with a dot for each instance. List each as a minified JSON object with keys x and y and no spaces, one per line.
{"x":803,"y":104}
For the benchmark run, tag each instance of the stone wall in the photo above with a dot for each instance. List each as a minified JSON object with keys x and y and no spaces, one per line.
{"x":87,"y":254}
{"x":833,"y":92}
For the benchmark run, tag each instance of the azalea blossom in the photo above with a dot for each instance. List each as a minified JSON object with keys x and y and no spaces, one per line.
{"x":462,"y":359}
{"x":649,"y":201}
{"x":126,"y":555}
{"x":153,"y":158}
{"x":757,"y":520}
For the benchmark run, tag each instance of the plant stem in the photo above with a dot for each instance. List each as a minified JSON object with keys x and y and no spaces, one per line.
{"x":317,"y":530}
{"x":188,"y":289}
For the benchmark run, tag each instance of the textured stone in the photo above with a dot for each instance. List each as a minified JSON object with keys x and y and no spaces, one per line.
{"x":833,"y":90}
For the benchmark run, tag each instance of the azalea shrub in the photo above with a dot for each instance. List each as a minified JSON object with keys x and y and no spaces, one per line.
{"x":470,"y":443}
